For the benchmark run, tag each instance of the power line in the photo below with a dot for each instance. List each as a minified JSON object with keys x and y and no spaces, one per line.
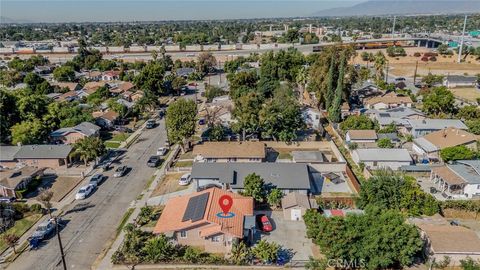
{"x":462,"y":40}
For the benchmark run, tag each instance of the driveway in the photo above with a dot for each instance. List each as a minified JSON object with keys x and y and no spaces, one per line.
{"x":92,"y":223}
{"x":291,"y":235}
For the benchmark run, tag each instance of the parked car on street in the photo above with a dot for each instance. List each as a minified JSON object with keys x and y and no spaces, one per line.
{"x":96,"y":180}
{"x":264,"y":223}
{"x":153,"y":161}
{"x":185,"y":180}
{"x":84,"y":191}
{"x":150,"y":124}
{"x":44,"y":229}
{"x":162,"y":151}
{"x":120,"y":171}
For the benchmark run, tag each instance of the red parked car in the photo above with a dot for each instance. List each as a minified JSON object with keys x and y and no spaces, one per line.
{"x":264,"y":223}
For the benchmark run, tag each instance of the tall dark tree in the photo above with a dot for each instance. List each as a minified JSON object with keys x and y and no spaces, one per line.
{"x":329,"y":95}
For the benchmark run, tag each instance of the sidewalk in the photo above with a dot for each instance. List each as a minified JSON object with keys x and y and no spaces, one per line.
{"x":105,"y":262}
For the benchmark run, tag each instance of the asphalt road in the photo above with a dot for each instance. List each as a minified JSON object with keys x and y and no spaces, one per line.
{"x":91,"y":223}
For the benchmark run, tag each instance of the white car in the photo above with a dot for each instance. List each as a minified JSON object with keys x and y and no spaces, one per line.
{"x":161,"y":151}
{"x":185,"y":180}
{"x":83,"y":192}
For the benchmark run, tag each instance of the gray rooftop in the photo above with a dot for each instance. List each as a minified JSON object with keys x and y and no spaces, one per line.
{"x":425,"y":145}
{"x":461,"y":79}
{"x":468,"y":170}
{"x":8,"y":152}
{"x":383,"y":154}
{"x":394,"y":115}
{"x":307,"y":156}
{"x":44,"y":151}
{"x":436,"y":124}
{"x":392,"y":136}
{"x":85,"y":128}
{"x":184,"y":71}
{"x":281,"y":175}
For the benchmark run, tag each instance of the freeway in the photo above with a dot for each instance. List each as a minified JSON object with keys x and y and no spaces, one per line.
{"x":92,"y":223}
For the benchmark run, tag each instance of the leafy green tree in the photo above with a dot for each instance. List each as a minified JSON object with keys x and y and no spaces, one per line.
{"x":151,"y":78}
{"x":10,"y":78}
{"x":385,"y":143}
{"x":388,"y":190}
{"x":334,"y":112}
{"x":357,"y":122}
{"x":439,"y":101}
{"x":469,"y":112}
{"x":192,"y":254}
{"x":31,"y":106}
{"x":159,"y":249}
{"x":178,"y":83}
{"x":391,"y":128}
{"x":281,"y":117}
{"x":65,"y":114}
{"x":292,"y":35}
{"x":181,"y":120}
{"x":9,"y":114}
{"x":431,"y":80}
{"x":330,"y":93}
{"x":246,"y":112}
{"x":379,"y":239}
{"x":38,"y":84}
{"x":28,"y":132}
{"x":473,"y":126}
{"x":274,"y":197}
{"x":64,"y":74}
{"x":212,"y":92}
{"x":216,"y":133}
{"x":266,"y":251}
{"x":254,"y":186}
{"x":206,"y":62}
{"x":457,"y":153}
{"x":88,"y":148}
{"x":242,"y":83}
{"x":119,"y":108}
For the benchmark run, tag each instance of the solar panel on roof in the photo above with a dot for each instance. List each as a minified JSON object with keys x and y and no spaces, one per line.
{"x":196,"y":208}
{"x":384,"y":114}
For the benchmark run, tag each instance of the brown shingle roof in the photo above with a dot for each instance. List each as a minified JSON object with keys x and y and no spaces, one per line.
{"x":389,"y":98}
{"x":91,"y":87}
{"x":368,"y":134}
{"x":448,"y":175}
{"x":171,"y":218}
{"x":451,"y":239}
{"x":70,"y":85}
{"x":12,"y":178}
{"x":110,"y":115}
{"x":230,"y":150}
{"x":450,"y":137}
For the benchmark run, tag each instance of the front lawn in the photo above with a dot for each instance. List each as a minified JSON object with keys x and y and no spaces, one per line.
{"x":110,"y":144}
{"x":188,"y":163}
{"x":20,"y":227}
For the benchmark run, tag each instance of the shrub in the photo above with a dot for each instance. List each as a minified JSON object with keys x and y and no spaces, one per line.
{"x":192,"y":254}
{"x":417,"y":54}
{"x":265,"y":251}
{"x":36,"y":208}
{"x":433,"y":59}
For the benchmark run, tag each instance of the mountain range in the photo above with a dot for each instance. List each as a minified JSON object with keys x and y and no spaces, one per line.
{"x":403,"y":7}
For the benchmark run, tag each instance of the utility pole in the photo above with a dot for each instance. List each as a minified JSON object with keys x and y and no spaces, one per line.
{"x":415,"y":74}
{"x":462,"y":40}
{"x":60,"y":244}
{"x":386,"y":75}
{"x":393,"y":28}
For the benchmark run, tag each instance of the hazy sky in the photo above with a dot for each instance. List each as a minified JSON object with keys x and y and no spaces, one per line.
{"x":123,"y":10}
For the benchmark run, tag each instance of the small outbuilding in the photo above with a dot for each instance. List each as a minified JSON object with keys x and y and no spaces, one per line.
{"x":295,"y":205}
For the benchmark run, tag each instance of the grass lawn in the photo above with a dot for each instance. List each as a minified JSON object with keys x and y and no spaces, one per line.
{"x":120,"y":137}
{"x":168,"y":184}
{"x":184,"y":163}
{"x":109,"y":144}
{"x":124,"y":220}
{"x":284,"y":153}
{"x":187,"y":155}
{"x":20,"y":227}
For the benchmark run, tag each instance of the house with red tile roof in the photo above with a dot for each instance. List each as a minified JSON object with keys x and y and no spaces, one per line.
{"x":197,"y":220}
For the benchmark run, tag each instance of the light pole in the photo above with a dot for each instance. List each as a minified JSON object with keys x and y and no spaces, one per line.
{"x":60,"y":244}
{"x":462,"y":40}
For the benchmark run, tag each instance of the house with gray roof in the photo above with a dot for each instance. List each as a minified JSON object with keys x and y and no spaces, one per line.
{"x":44,"y":155}
{"x":419,"y":128}
{"x":288,"y":177}
{"x":459,"y":180}
{"x":378,"y":158}
{"x":184,"y":72}
{"x":397,"y":116}
{"x":7,"y":156}
{"x":453,"y":81}
{"x":71,"y":135}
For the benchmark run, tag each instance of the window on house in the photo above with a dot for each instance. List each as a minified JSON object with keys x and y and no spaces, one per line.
{"x":478,"y":186}
{"x":232,"y":159}
{"x":183,"y":234}
{"x":216,"y":238}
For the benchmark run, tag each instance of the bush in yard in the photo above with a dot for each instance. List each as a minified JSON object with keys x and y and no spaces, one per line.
{"x":192,"y":255}
{"x":417,"y":54}
{"x":385,"y":143}
{"x":357,"y":122}
{"x":36,"y":208}
{"x":470,"y":264}
{"x":274,"y":197}
{"x":254,"y":186}
{"x":457,"y":153}
{"x":265,"y":251}
{"x":241,"y":254}
{"x":145,"y":215}
{"x":159,"y":249}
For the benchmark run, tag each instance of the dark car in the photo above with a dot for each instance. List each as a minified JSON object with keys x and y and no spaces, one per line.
{"x":120,"y":171}
{"x":263,"y":223}
{"x":153,"y":161}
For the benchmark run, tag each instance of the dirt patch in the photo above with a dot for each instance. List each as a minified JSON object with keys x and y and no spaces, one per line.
{"x":168,"y":184}
{"x":453,"y":213}
{"x":60,"y":185}
{"x":468,"y":93}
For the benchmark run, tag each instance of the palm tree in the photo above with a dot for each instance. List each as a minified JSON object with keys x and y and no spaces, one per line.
{"x":88,"y":148}
{"x":380,"y":62}
{"x":302,"y":78}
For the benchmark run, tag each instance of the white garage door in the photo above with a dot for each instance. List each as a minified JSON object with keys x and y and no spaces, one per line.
{"x":296,"y":214}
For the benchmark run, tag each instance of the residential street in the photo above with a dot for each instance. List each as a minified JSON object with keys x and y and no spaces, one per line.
{"x":92,"y":223}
